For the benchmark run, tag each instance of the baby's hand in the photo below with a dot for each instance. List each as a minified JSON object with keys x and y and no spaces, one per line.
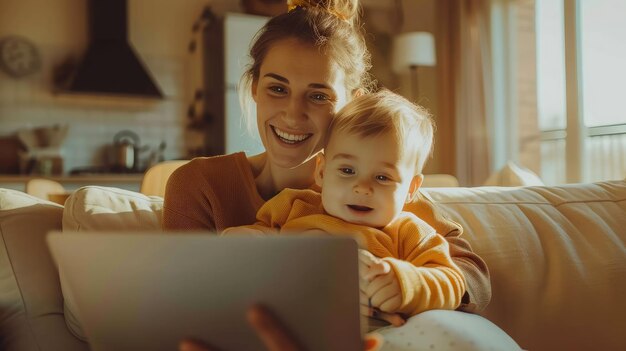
{"x":380,"y":290}
{"x":367,"y":310}
{"x":371,"y":266}
{"x":384,"y":292}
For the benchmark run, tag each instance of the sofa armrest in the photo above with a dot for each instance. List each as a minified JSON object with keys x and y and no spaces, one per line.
{"x":31,"y":304}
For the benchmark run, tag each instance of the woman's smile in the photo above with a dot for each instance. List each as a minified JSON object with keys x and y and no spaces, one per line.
{"x":290,"y":138}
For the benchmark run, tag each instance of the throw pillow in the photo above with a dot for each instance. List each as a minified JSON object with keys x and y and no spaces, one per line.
{"x":513,"y":175}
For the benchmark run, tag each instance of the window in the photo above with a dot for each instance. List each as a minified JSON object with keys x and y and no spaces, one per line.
{"x":580,"y":73}
{"x":603,"y":31}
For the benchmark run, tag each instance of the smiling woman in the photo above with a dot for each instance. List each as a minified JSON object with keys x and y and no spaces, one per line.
{"x":305,"y":65}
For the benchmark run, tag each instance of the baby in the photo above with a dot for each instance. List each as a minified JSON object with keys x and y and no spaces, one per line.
{"x":371,"y":166}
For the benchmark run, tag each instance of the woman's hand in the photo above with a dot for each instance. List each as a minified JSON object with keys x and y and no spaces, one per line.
{"x":274,"y":335}
{"x":268,"y":328}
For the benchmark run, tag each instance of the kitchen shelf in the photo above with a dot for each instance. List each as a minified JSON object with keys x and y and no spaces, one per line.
{"x":72,"y":182}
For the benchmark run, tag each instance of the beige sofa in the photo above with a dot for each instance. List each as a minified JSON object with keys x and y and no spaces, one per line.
{"x":557,"y":257}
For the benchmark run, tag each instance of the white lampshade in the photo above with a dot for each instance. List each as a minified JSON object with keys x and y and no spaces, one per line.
{"x":413,"y":49}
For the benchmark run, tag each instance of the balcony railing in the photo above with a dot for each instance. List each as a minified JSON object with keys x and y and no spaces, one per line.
{"x":605,"y":149}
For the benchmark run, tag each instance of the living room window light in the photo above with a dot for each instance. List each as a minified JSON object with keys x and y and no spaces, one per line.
{"x":579,"y":79}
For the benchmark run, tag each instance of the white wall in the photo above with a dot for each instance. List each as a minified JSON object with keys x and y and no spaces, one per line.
{"x":160,"y":31}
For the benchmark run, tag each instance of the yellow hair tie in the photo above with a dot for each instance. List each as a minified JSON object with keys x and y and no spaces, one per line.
{"x":294,"y":4}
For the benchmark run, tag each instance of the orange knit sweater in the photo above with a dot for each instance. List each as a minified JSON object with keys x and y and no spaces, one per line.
{"x":419,"y":256}
{"x":214,"y":193}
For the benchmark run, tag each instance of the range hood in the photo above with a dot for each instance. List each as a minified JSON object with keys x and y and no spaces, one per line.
{"x":110,"y":65}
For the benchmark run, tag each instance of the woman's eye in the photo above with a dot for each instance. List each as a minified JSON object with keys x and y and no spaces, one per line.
{"x":320,"y":97}
{"x":346,"y":171}
{"x":277,"y":89}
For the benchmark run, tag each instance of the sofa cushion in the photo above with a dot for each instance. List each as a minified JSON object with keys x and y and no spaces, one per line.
{"x":31,"y":304}
{"x":557,"y":257}
{"x":97,"y":208}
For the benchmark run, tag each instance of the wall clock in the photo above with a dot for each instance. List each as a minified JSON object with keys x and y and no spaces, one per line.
{"x":19,"y":57}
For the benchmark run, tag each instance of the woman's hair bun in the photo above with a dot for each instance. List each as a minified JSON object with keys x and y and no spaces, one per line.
{"x":346,"y":10}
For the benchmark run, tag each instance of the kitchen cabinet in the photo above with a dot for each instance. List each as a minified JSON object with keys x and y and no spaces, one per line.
{"x":226,"y":44}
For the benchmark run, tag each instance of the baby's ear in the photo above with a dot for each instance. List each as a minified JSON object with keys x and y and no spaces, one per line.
{"x":357,"y":92}
{"x":320,"y":163}
{"x":416,"y":183}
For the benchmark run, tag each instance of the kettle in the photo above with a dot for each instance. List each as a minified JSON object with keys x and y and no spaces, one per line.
{"x":125,"y":151}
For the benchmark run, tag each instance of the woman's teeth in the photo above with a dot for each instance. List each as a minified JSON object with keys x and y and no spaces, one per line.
{"x":290,"y":138}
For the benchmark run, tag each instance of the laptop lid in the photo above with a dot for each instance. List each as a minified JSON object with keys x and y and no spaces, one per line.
{"x":148,"y":291}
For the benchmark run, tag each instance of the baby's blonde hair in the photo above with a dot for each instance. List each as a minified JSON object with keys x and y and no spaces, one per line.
{"x":382,"y":112}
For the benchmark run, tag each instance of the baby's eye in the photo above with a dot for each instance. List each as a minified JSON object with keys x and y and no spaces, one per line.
{"x":383,"y":178}
{"x":346,"y":170}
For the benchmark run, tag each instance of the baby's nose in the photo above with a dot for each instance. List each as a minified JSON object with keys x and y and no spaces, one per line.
{"x":362,"y":188}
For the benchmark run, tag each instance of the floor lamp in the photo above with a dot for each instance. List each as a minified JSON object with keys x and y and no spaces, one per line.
{"x":411,"y":50}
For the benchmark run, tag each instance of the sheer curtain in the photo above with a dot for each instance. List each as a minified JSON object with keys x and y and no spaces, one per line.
{"x":465,"y":89}
{"x":487,"y":87}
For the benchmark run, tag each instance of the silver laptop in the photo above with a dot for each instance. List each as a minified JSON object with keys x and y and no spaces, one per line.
{"x":148,"y":291}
